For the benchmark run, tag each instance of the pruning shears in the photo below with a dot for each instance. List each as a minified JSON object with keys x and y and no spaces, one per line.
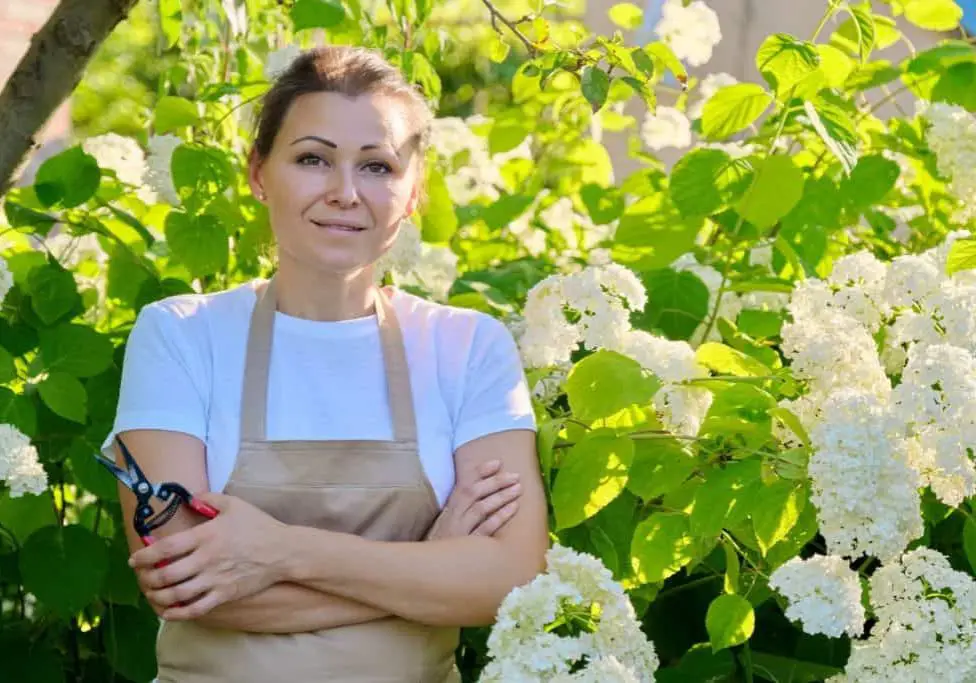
{"x":173,"y":495}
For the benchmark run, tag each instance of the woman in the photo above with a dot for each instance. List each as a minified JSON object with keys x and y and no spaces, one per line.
{"x":336,"y":417}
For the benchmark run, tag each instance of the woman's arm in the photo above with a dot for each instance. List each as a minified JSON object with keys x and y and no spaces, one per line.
{"x":482,"y":506}
{"x":455,"y":582}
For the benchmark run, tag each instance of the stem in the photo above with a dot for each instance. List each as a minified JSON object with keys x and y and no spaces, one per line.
{"x":496,"y":16}
{"x":747,"y":657}
{"x":828,"y":15}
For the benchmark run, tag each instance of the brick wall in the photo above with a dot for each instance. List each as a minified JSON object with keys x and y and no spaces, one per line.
{"x":19,"y":20}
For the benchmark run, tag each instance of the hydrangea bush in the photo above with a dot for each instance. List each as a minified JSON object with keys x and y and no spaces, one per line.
{"x":754,"y":369}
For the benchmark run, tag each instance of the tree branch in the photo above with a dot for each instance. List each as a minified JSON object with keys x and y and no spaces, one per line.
{"x":50,"y":71}
{"x":497,"y":16}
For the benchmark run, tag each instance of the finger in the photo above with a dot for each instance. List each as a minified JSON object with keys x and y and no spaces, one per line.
{"x":486,"y":469}
{"x":481,"y":510}
{"x":167,"y":549}
{"x":184,"y":593}
{"x":490,"y":485}
{"x":194,"y":610}
{"x":495,"y":522}
{"x":219,"y":501}
{"x":170,"y":575}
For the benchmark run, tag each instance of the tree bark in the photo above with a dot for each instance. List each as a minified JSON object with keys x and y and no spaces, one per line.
{"x":50,"y":71}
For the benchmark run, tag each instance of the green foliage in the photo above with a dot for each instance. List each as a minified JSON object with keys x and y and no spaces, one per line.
{"x":691,"y":524}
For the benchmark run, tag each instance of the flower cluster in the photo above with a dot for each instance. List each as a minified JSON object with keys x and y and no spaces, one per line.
{"x":926,"y":624}
{"x":125,"y":157}
{"x":951,"y":135}
{"x":473,"y":171}
{"x":709,"y":85}
{"x":412,"y":262}
{"x":159,"y":174}
{"x":521,"y":648}
{"x":19,"y":465}
{"x":824,"y":595}
{"x":6,"y":279}
{"x":600,"y":300}
{"x":691,"y":32}
{"x":666,"y":127}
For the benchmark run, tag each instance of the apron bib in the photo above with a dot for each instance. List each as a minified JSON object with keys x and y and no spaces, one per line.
{"x":374,"y":489}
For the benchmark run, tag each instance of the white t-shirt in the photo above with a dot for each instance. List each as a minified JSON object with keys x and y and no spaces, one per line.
{"x":184,"y":369}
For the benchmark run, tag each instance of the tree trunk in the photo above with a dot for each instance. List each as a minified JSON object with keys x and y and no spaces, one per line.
{"x":50,"y":71}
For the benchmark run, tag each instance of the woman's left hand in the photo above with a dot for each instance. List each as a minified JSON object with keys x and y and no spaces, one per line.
{"x":227,"y":558}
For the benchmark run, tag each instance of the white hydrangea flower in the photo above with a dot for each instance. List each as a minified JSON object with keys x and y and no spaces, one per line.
{"x":735,"y":149}
{"x":71,"y":250}
{"x":124,"y":156}
{"x":692,"y":32}
{"x":666,"y":127}
{"x":6,"y":279}
{"x":19,"y":464}
{"x":824,"y":595}
{"x":709,"y":85}
{"x":864,"y":489}
{"x":951,"y":135}
{"x":403,"y":254}
{"x":279,"y":60}
{"x":682,"y":408}
{"x":159,"y":172}
{"x":910,"y":279}
{"x":602,"y":296}
{"x":926,"y":624}
{"x":521,"y":650}
{"x":435,"y":270}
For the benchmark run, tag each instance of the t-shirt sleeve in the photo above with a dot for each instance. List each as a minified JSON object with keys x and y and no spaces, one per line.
{"x":163,"y":377}
{"x":495,"y":394}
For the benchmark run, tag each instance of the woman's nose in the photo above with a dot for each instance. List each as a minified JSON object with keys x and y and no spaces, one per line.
{"x":341,"y":190}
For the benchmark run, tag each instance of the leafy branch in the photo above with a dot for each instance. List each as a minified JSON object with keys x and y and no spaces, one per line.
{"x":497,"y":16}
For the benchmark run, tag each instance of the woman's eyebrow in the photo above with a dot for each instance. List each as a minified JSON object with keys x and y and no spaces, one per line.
{"x":329,"y":143}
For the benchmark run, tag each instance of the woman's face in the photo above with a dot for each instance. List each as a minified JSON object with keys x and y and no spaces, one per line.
{"x":340,"y":176}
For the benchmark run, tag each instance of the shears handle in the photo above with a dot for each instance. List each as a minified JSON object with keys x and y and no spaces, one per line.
{"x":198,"y":506}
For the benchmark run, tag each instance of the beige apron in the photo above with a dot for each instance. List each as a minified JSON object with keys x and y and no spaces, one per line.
{"x":375,"y":489}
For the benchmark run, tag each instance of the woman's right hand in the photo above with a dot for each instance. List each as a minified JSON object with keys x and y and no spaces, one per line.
{"x":480,"y":509}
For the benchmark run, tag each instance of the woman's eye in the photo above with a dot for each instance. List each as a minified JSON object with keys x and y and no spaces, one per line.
{"x":310,"y":160}
{"x":378,"y":167}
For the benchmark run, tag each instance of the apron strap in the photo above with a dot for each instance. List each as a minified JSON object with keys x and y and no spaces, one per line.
{"x":254,"y":394}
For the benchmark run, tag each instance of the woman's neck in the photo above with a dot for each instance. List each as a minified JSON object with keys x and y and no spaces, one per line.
{"x":318,"y":295}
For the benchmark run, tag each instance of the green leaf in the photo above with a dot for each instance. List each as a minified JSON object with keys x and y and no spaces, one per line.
{"x":605,"y":383}
{"x":200,"y":174}
{"x":665,"y":59}
{"x":70,"y":179}
{"x":18,"y":410}
{"x":662,"y":545}
{"x":789,"y":419}
{"x":317,"y":14}
{"x":870,"y":181}
{"x":934,"y":15}
{"x":733,"y":109}
{"x":626,"y":15}
{"x":89,"y":474}
{"x":130,"y":641}
{"x":777,"y":188}
{"x":53,"y":292}
{"x":731,"y":582}
{"x":785,"y":62}
{"x":962,"y":256}
{"x":26,"y":514}
{"x":76,"y":349}
{"x":835,"y":65}
{"x":200,"y":242}
{"x":504,"y":210}
{"x":604,"y":204}
{"x":728,"y":361}
{"x":725,"y":498}
{"x":706,"y":181}
{"x":677,"y":303}
{"x":8,"y":370}
{"x":507,"y":133}
{"x":591,"y":475}
{"x":652,"y":233}
{"x":969,"y":541}
{"x":659,"y":467}
{"x":64,"y":567}
{"x":171,"y":20}
{"x":865,"y":30}
{"x":173,"y":113}
{"x":781,"y":668}
{"x":499,"y":49}
{"x":836,"y":129}
{"x":776,"y":512}
{"x":439,"y":219}
{"x":64,"y":395}
{"x":596,"y":86}
{"x":730,"y":621}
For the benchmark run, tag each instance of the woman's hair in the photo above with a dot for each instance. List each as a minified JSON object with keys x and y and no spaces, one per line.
{"x":350,"y":71}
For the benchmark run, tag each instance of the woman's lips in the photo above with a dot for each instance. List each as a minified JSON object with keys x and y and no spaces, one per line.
{"x":338,"y":227}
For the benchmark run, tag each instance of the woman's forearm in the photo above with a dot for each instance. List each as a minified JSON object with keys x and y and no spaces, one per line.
{"x":450,"y":582}
{"x":290,"y":608}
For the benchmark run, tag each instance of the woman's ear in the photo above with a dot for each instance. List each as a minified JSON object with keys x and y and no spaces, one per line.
{"x":254,"y":176}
